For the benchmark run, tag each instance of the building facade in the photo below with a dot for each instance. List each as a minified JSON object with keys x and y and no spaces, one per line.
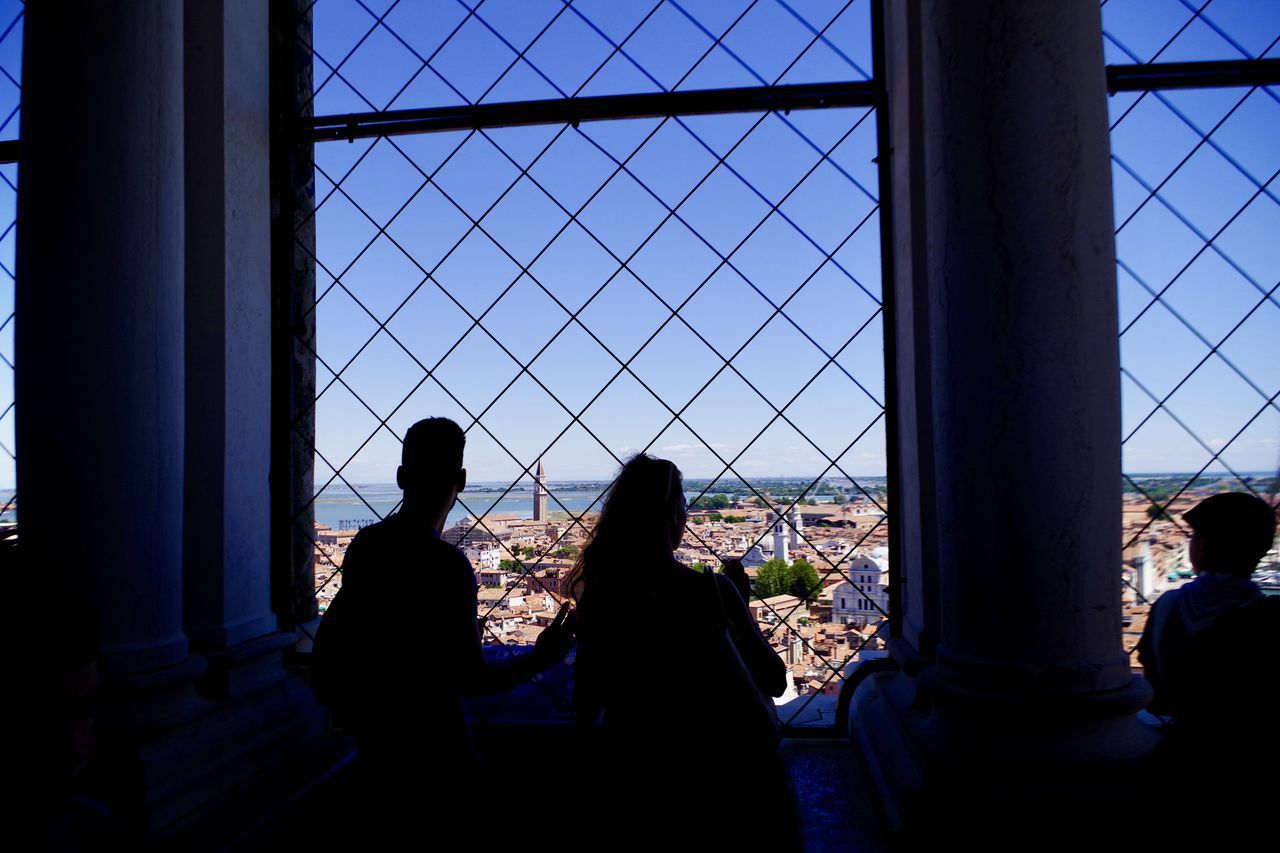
{"x":864,"y":596}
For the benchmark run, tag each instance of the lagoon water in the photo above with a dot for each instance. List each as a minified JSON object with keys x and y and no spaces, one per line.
{"x":340,"y":507}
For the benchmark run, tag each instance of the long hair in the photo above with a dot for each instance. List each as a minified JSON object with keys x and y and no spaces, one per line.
{"x":636,"y":529}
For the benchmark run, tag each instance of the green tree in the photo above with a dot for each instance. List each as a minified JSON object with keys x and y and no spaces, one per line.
{"x":777,"y":578}
{"x":734,"y":519}
{"x":804,"y":580}
{"x":841,"y":499}
{"x":508,"y":565}
{"x":773,"y":578}
{"x":762,"y":503}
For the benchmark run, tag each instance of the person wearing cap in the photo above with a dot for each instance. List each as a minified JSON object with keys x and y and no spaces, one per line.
{"x":1208,"y":648}
{"x":399,"y":647}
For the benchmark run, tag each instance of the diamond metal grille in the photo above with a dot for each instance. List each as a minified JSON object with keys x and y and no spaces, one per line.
{"x":705,"y":286}
{"x":11,"y":15}
{"x":1196,"y":209}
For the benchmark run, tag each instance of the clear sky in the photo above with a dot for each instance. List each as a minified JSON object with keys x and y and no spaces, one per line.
{"x":573,"y":55}
{"x":655,"y":164}
{"x":10,"y":75}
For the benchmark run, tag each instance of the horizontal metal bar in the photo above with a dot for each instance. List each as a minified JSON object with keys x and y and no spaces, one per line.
{"x":1193,"y":75}
{"x":9,"y":151}
{"x":750,"y":99}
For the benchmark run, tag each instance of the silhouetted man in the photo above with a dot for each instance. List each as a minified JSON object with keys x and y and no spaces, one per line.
{"x":399,"y":647}
{"x":1208,"y":648}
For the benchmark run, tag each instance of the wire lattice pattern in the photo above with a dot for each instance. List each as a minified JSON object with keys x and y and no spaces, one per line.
{"x":1195,"y":195}
{"x":11,"y":18}
{"x":533,"y":283}
{"x":392,"y":54}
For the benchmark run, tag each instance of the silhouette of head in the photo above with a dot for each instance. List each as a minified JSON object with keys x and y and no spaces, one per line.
{"x":431,"y":461}
{"x":641,"y":523}
{"x":1230,"y":533}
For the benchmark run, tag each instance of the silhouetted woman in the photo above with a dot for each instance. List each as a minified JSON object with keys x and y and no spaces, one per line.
{"x":673,"y":662}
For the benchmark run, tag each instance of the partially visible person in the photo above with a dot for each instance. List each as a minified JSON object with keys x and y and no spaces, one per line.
{"x":1209,"y":647}
{"x":400,"y":647}
{"x":686,"y":734}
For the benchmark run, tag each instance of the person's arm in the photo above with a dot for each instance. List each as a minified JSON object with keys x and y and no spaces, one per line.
{"x":1149,"y":654}
{"x":480,"y":677}
{"x":733,"y":569}
{"x":766,"y":667}
{"x":335,"y":663}
{"x":588,"y":683}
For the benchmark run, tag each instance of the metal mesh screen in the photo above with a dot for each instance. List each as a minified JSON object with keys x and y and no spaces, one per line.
{"x":1196,"y":210}
{"x":11,"y":14}
{"x":706,"y":288}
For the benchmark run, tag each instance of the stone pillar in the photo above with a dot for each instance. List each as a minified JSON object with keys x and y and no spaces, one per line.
{"x":1009,"y":401}
{"x":99,"y":335}
{"x":1019,"y":275}
{"x":228,"y":325}
{"x":113,"y":394}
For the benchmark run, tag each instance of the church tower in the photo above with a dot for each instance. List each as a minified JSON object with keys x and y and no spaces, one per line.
{"x":780,"y":538}
{"x":797,"y":524}
{"x":1146,"y":572}
{"x":540,"y":494}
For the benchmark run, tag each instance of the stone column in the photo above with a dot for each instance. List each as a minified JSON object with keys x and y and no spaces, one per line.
{"x":228,"y":324}
{"x":99,"y":334}
{"x":1009,"y":401}
{"x":1019,"y":275}
{"x":123,"y":383}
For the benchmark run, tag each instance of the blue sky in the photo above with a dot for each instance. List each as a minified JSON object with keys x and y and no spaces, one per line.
{"x":10,"y":76}
{"x":1158,"y":350}
{"x":826,"y":211}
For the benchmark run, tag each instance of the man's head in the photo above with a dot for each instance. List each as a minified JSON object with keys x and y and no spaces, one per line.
{"x":431,"y":461}
{"x":1230,"y":533}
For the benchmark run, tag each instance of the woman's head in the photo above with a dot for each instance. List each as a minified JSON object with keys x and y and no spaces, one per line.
{"x":642,"y":521}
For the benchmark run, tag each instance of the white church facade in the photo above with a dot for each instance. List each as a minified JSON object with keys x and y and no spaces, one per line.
{"x":864,"y":596}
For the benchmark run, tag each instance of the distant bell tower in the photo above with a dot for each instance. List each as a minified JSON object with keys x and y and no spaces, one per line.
{"x":780,"y":538}
{"x":540,"y":494}
{"x":1146,"y":572}
{"x":797,"y":524}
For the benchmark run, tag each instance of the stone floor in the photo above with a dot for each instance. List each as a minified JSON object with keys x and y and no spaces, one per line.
{"x":835,"y":811}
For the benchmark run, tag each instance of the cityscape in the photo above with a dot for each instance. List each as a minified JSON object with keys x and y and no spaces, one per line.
{"x":897,"y":291}
{"x":815,"y":554}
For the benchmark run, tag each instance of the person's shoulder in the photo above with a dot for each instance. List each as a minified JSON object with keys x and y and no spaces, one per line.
{"x":445,"y":552}
{"x":721,"y":584}
{"x":449,"y":564}
{"x":1260,"y":617}
{"x":1163,"y":615}
{"x":374,"y":535}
